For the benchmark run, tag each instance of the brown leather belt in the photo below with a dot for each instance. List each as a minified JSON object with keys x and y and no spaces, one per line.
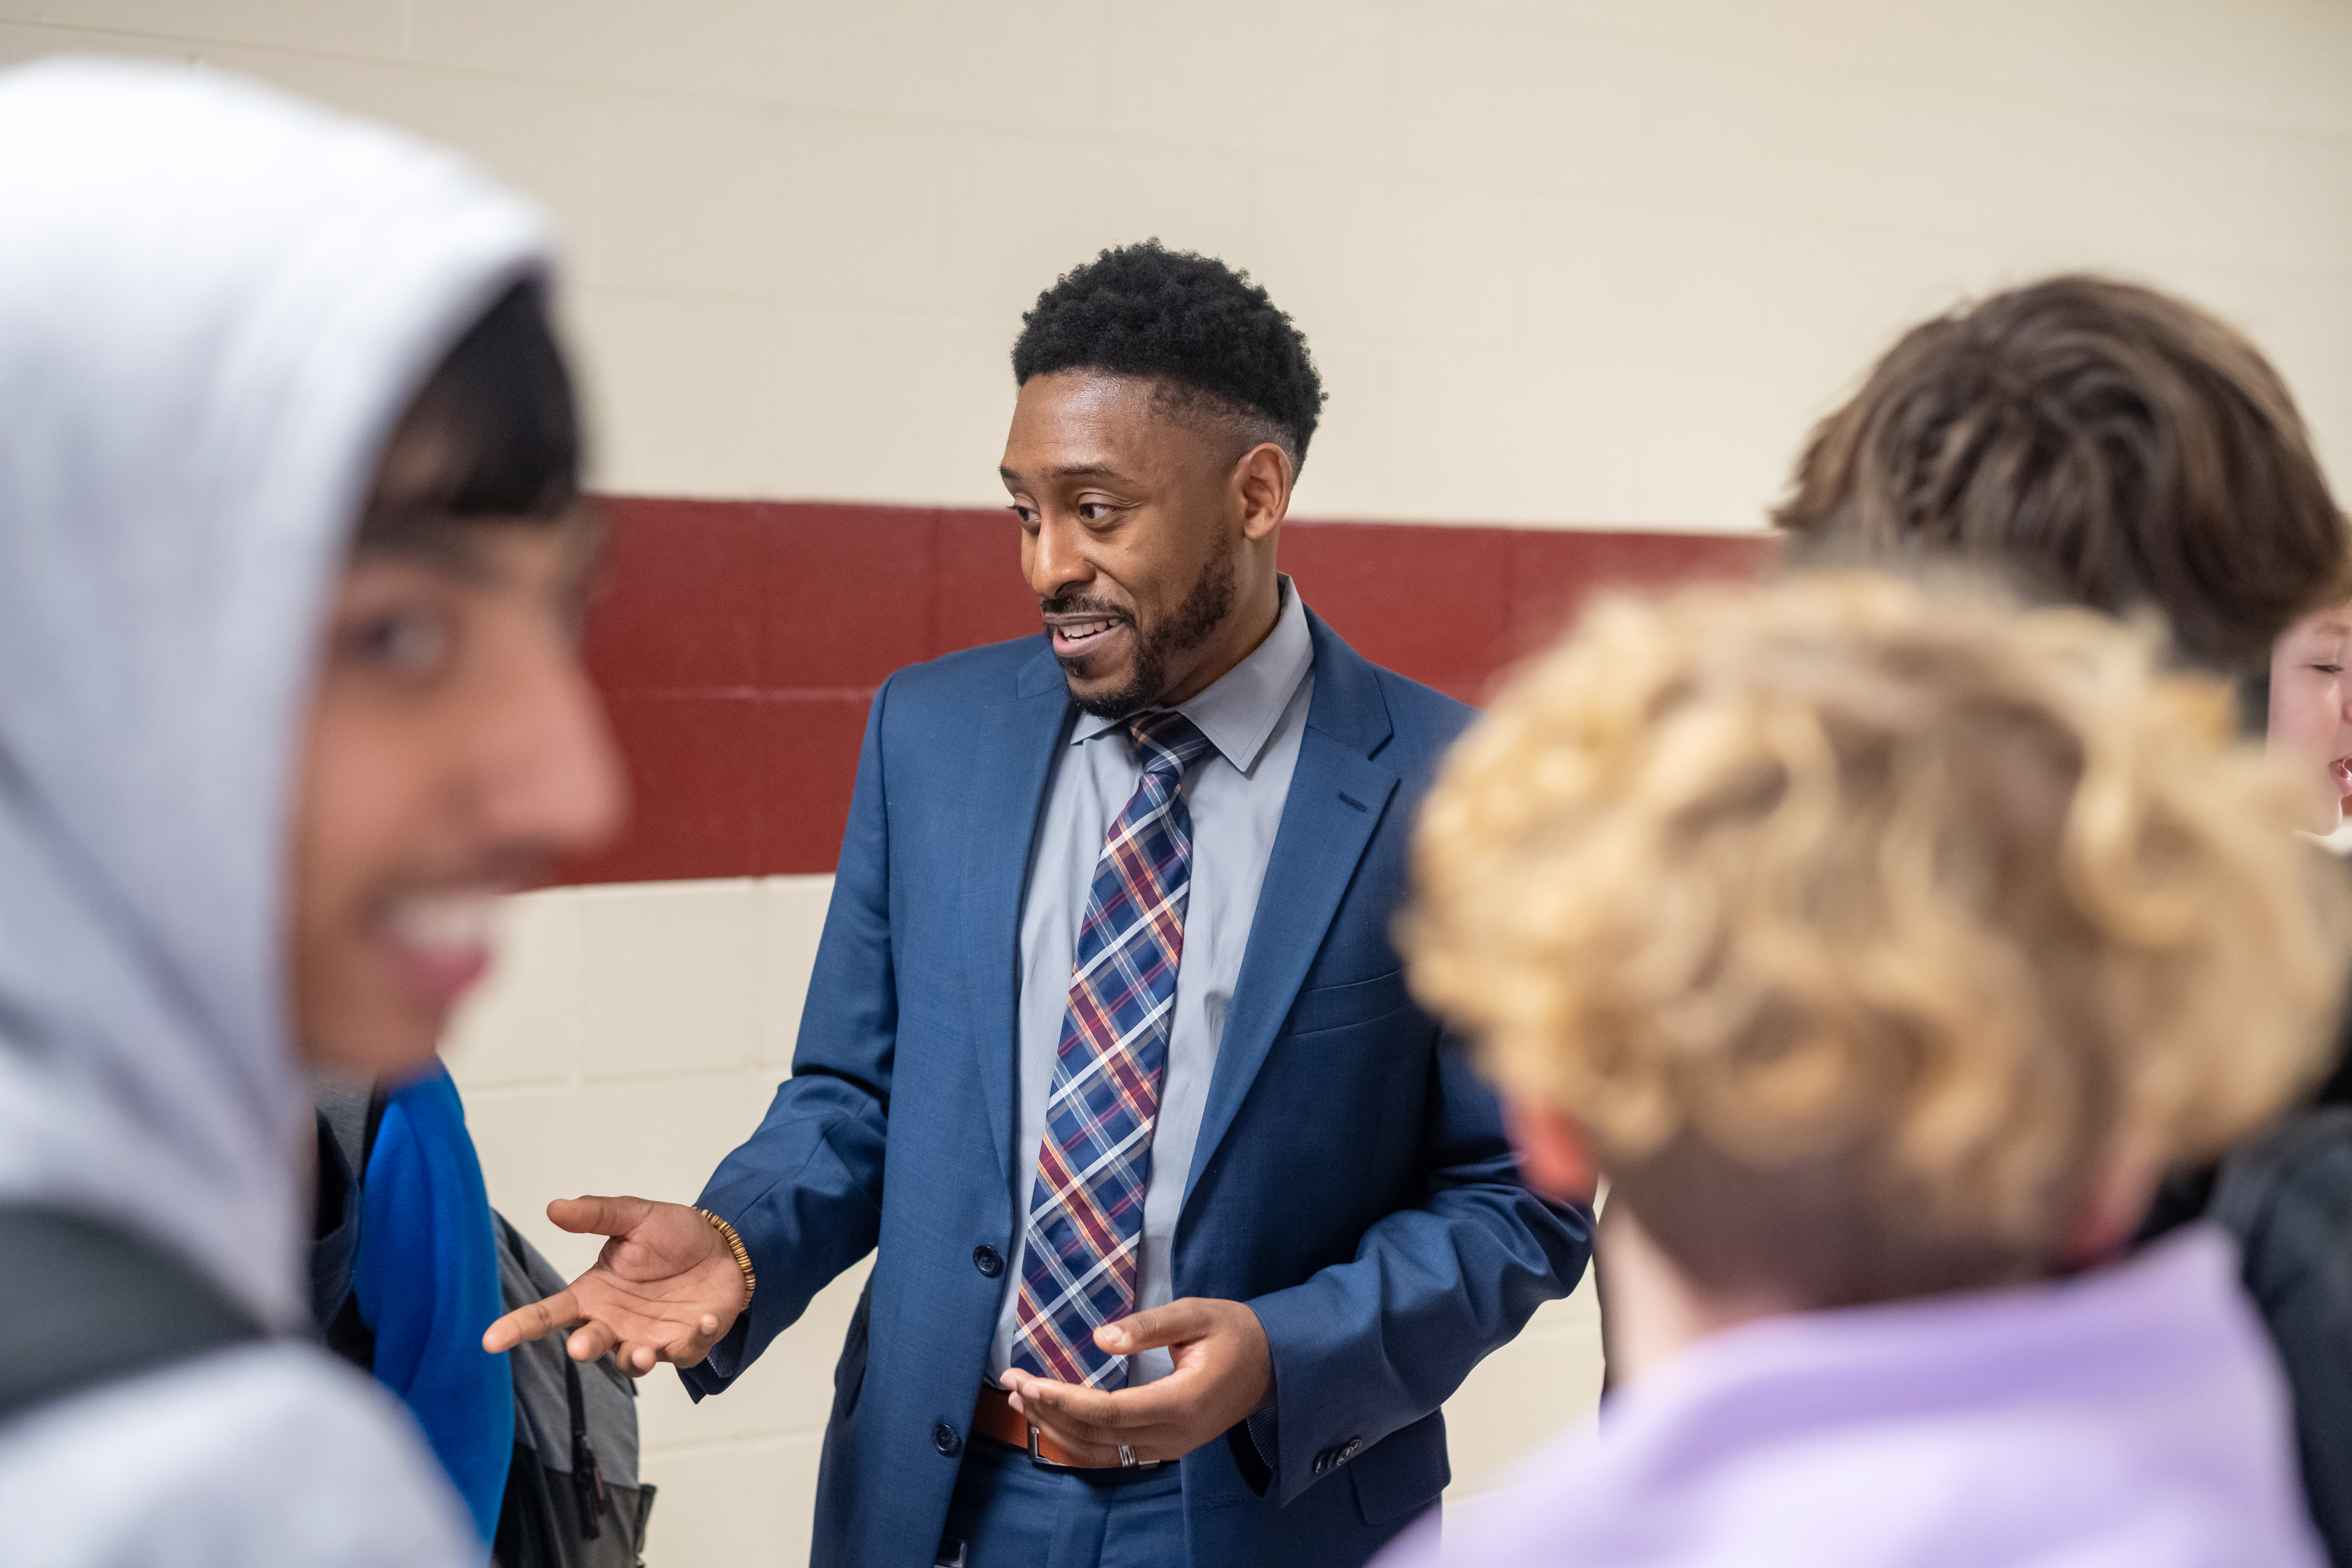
{"x":993,"y":1415}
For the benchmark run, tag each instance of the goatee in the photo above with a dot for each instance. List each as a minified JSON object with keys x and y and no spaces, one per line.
{"x":1204,"y":609}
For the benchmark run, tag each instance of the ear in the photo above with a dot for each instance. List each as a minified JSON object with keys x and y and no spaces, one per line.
{"x":1554,"y":1155}
{"x":1262,"y":482}
{"x":2107,"y":1215}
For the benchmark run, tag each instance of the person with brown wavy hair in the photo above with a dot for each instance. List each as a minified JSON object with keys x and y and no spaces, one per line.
{"x":2121,"y":449}
{"x":1881,"y":944}
{"x":2099,"y":441}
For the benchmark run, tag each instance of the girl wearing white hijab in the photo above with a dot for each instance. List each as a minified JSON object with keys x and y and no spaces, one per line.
{"x":257,"y":791}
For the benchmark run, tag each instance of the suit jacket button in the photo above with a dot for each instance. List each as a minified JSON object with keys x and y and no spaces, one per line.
{"x":1323,"y":1461}
{"x":1355,"y":1447}
{"x":944,"y":1438}
{"x":986,"y":1258}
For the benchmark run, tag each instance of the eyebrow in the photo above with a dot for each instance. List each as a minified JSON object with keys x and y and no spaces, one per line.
{"x":1069,"y":471}
{"x":421,"y":537}
{"x":458,"y":547}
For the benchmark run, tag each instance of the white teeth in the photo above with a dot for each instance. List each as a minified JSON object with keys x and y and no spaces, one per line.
{"x":445,"y":922}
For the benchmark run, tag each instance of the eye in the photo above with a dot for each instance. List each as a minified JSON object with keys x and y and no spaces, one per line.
{"x":1095,"y":510}
{"x":409,"y":644}
{"x":1028,"y":515}
{"x":2329,"y":670}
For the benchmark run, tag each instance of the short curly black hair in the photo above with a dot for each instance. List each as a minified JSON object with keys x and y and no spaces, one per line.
{"x":1191,"y":321}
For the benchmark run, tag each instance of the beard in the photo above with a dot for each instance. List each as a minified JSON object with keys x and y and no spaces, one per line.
{"x":1204,"y":609}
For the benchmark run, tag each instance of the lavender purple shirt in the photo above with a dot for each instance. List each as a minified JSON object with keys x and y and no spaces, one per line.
{"x":2131,"y":1418}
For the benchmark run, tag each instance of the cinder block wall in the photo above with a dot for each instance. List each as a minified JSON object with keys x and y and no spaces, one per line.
{"x":1564,"y":262}
{"x":1564,"y":265}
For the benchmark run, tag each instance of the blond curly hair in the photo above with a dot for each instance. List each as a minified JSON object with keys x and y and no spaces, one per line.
{"x":1868,"y":919}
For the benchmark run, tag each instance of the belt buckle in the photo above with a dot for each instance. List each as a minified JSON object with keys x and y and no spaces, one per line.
{"x":1043,"y":1463}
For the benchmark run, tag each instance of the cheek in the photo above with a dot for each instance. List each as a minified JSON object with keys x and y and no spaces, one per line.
{"x":355,"y":809}
{"x":1161,"y":573}
{"x":355,"y":795}
{"x":2301,"y":722}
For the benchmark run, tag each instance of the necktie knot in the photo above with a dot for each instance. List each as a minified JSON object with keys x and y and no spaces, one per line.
{"x":1167,"y":741}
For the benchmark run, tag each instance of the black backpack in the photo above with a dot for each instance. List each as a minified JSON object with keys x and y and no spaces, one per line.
{"x":573,"y":1497}
{"x":573,"y":1500}
{"x":2286,"y":1197}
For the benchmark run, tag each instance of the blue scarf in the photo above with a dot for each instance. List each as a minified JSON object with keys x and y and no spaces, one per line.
{"x":427,"y":1283}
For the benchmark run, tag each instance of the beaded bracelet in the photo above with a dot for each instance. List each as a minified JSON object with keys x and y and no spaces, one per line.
{"x":735,"y":1246}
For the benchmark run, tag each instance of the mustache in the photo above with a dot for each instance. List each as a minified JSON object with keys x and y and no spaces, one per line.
{"x":1079,"y":605}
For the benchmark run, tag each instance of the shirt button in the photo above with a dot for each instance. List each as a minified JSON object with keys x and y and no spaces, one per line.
{"x":944,"y":1438}
{"x":985,"y":1258}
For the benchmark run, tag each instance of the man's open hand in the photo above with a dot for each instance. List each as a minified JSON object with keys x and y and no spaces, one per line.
{"x":1222,"y":1370}
{"x":665,"y":1288}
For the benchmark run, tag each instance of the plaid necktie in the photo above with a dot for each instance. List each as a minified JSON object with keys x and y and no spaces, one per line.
{"x":1086,"y":1211}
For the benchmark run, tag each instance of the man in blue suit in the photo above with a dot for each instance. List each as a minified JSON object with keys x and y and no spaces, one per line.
{"x":1186,"y":1218}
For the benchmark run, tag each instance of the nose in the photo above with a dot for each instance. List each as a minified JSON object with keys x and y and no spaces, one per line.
{"x":1054,"y":557}
{"x":553,"y":784}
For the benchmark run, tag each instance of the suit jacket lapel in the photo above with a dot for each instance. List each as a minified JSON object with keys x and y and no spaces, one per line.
{"x":1007,"y":796}
{"x":1338,"y":796}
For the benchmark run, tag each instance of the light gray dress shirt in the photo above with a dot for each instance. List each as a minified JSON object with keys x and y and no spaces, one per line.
{"x":1254,"y":717}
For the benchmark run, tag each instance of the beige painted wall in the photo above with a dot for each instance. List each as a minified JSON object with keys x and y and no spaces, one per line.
{"x":1563,"y":262}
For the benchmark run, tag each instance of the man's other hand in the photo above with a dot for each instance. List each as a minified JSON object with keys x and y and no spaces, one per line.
{"x":665,"y":1288}
{"x":1223,"y":1371}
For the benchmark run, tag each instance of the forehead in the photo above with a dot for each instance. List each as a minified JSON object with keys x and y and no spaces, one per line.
{"x":560,"y":552}
{"x":2332,"y":625}
{"x":1095,"y":420}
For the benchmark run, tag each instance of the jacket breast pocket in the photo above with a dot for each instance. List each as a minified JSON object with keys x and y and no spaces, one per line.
{"x":1322,"y":1007}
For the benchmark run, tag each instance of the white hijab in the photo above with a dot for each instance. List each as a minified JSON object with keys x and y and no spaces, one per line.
{"x":215,"y":303}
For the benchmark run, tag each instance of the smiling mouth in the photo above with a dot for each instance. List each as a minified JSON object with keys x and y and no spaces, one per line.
{"x":440,"y":943}
{"x":1076,"y":637}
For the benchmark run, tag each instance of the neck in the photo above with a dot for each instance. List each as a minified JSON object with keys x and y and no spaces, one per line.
{"x":1653,"y":1310}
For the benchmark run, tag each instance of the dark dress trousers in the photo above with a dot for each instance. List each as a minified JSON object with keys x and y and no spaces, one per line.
{"x":1352,"y":1183}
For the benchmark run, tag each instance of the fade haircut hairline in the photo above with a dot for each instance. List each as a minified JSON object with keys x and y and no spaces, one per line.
{"x":1236,"y":424}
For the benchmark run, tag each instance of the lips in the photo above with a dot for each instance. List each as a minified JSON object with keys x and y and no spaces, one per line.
{"x":439,"y":944}
{"x":1077,"y":637}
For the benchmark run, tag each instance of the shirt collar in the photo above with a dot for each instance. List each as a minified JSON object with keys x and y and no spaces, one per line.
{"x":1239,"y":712}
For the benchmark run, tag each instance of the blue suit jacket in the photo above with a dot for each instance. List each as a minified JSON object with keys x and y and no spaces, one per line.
{"x":1352,"y":1183}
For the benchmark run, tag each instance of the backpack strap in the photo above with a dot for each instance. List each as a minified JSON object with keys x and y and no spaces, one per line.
{"x":587,"y":1475}
{"x":87,"y":1304}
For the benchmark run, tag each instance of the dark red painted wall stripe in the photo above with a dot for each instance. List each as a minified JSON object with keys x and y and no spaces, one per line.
{"x":738,"y":643}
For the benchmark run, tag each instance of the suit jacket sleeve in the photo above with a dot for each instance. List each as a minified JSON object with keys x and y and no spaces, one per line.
{"x":1366,"y":1348}
{"x":804,"y":1191}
